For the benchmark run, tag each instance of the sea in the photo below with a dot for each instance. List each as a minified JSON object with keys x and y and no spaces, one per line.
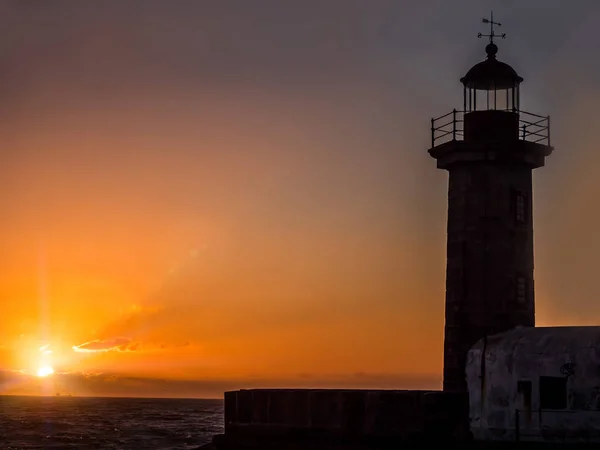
{"x":107,"y":423}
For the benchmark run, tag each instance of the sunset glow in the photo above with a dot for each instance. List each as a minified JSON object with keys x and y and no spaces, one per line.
{"x":207,"y":197}
{"x":45,"y":371}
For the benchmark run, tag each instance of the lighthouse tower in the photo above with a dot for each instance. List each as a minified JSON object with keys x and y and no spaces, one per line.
{"x":489,"y":149}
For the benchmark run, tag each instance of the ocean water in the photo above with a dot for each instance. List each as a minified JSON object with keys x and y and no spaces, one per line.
{"x":107,"y":423}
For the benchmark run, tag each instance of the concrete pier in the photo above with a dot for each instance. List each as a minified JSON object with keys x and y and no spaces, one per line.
{"x":330,"y":418}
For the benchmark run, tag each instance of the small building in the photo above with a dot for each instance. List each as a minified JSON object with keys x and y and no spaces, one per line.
{"x":536,"y":384}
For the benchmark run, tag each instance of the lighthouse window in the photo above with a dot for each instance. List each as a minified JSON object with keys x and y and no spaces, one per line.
{"x":520,"y":208}
{"x":521,"y":289}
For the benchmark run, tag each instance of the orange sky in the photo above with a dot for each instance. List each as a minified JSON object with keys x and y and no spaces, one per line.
{"x":182,"y":218}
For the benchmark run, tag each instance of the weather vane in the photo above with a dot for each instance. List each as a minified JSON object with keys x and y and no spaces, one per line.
{"x":492,"y":35}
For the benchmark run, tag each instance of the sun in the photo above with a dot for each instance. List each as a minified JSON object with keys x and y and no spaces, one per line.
{"x":45,"y":371}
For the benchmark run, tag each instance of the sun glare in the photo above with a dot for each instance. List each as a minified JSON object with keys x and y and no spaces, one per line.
{"x":45,"y":371}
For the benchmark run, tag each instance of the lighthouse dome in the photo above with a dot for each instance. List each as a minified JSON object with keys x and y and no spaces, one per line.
{"x":491,"y":74}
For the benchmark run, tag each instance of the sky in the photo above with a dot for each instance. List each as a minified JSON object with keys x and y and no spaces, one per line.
{"x":205,"y":196}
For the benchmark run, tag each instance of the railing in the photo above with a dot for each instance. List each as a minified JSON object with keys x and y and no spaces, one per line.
{"x":534,"y":128}
{"x":450,"y":127}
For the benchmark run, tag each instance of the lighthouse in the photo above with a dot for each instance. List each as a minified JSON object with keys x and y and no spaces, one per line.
{"x":489,"y":149}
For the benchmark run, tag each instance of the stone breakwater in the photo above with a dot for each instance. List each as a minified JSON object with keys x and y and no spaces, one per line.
{"x":324,"y":418}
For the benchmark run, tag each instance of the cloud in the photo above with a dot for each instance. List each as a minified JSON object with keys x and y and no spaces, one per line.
{"x":97,"y":345}
{"x":124,"y":344}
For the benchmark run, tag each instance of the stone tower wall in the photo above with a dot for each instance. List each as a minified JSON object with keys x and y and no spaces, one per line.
{"x":489,"y":278}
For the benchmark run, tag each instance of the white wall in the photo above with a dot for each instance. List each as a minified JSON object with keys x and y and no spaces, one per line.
{"x":527,"y":354}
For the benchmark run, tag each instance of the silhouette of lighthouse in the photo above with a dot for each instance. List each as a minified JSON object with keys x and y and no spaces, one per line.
{"x":489,"y":149}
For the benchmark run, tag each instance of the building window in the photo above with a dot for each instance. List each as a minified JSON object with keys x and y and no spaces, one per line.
{"x":521,"y":289}
{"x":553,"y":393}
{"x":520,"y":208}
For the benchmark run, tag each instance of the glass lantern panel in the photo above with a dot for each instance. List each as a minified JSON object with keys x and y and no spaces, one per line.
{"x":504,"y":99}
{"x":482,"y":100}
{"x":494,"y":99}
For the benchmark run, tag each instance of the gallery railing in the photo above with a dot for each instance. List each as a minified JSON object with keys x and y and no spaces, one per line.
{"x":450,"y":127}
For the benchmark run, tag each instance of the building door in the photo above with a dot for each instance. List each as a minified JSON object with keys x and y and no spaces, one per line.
{"x":524,"y":403}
